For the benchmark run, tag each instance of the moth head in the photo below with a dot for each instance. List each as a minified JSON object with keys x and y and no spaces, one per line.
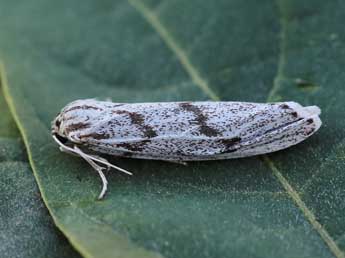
{"x":75,"y":118}
{"x":58,"y":130}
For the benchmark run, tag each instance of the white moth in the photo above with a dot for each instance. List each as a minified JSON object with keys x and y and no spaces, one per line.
{"x":180,"y":131}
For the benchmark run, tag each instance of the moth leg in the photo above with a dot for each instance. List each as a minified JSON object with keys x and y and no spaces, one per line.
{"x":68,"y":151}
{"x":104,"y":184}
{"x":79,"y":152}
{"x":91,"y":159}
{"x":107,"y":163}
{"x":100,"y":158}
{"x":98,"y":168}
{"x":92,"y":156}
{"x":96,"y":158}
{"x":180,"y":162}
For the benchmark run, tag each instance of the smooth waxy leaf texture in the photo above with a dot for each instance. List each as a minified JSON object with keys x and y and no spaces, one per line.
{"x":26,"y":229}
{"x":288,"y":204}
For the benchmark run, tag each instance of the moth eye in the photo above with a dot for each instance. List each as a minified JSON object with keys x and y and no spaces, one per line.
{"x":58,"y":123}
{"x":63,"y":140}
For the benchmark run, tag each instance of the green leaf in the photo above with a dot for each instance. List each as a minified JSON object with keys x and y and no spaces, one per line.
{"x":288,"y":204}
{"x":26,"y":229}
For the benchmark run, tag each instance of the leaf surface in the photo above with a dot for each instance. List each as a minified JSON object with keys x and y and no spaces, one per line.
{"x":288,"y":204}
{"x":26,"y":229}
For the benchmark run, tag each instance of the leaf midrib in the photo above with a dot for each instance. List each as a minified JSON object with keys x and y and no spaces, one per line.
{"x":193,"y":72}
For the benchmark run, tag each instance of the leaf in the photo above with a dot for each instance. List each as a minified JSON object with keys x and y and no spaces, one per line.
{"x":26,"y":229}
{"x":288,"y":204}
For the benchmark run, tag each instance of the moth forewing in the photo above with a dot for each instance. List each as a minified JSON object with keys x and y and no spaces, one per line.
{"x":181,"y":131}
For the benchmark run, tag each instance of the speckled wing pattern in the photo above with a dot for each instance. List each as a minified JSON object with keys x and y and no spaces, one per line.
{"x":186,"y":131}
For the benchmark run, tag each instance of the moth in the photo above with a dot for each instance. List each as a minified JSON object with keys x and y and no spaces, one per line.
{"x":179,"y":131}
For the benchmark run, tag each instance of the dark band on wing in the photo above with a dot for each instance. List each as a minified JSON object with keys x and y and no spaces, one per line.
{"x":138,"y":120}
{"x":77,"y":126}
{"x":96,"y":136}
{"x":229,"y":144}
{"x":200,"y":119}
{"x":134,"y":147}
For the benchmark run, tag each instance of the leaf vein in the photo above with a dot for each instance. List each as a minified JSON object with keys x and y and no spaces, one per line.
{"x":305,"y":210}
{"x":169,"y":40}
{"x":327,"y":161}
{"x":325,"y":236}
{"x":152,"y":19}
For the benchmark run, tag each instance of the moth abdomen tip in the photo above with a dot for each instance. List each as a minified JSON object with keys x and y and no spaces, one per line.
{"x":303,"y":112}
{"x":313,"y":110}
